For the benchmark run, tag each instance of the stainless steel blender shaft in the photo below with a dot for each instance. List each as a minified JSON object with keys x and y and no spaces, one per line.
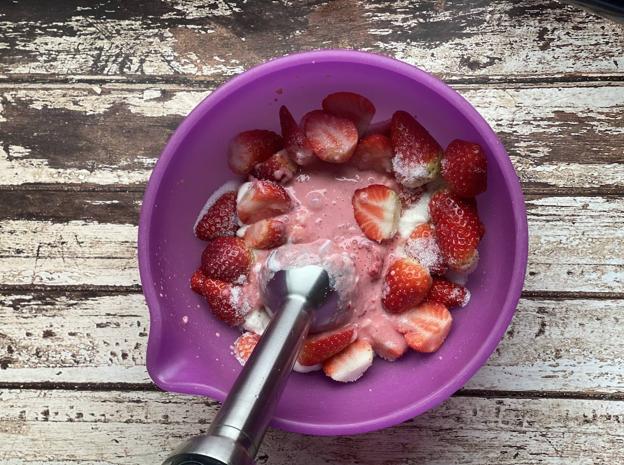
{"x":237,"y":431}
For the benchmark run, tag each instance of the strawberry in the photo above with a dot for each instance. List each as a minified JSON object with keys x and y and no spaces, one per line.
{"x":381,"y":127}
{"x":354,"y":107}
{"x":416,"y":154}
{"x":387,"y":342}
{"x":426,"y":326}
{"x":244,"y":346}
{"x":320,"y":347}
{"x":457,"y":229}
{"x":448,"y":293}
{"x":227,"y":258}
{"x":332,"y":138}
{"x":377,"y":210}
{"x":350,"y":364}
{"x":197,"y":282}
{"x":464,"y":168}
{"x":223,"y":299}
{"x":409,"y":196}
{"x":278,"y":167}
{"x":258,"y":200}
{"x":266,"y":234}
{"x":406,"y":284}
{"x":422,"y":246}
{"x":295,"y":141}
{"x":374,"y":152}
{"x":251,"y":147}
{"x":219,"y":220}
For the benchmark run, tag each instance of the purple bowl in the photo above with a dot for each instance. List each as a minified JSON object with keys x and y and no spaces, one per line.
{"x":189,"y":350}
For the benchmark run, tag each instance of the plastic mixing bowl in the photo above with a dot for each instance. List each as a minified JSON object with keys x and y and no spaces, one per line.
{"x":189,"y":350}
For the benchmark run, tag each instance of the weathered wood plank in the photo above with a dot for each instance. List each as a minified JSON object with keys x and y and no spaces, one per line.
{"x":93,"y":338}
{"x":189,"y":38}
{"x":112,"y":135}
{"x":575,"y":245}
{"x":41,"y":427}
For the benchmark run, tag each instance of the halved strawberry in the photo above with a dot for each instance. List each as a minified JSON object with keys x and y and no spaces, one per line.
{"x":197,"y":282}
{"x":388,"y":343}
{"x":352,"y":106}
{"x":320,"y":347}
{"x":426,"y":326}
{"x":374,"y":152}
{"x":457,"y":229}
{"x":350,"y":364}
{"x":416,"y":154}
{"x":224,"y":300}
{"x":278,"y":167}
{"x":406,"y":284}
{"x":258,"y":200}
{"x":244,"y":346}
{"x":332,"y":138}
{"x":266,"y":234}
{"x":219,"y":220}
{"x":464,"y":168}
{"x":295,"y":142}
{"x":422,"y":246}
{"x":377,"y":210}
{"x":448,"y":293}
{"x":251,"y":147}
{"x":227,"y":258}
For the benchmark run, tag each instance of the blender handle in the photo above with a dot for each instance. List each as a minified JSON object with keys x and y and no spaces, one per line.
{"x":238,"y":428}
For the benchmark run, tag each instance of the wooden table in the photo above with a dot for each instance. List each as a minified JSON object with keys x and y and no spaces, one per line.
{"x":92,"y":90}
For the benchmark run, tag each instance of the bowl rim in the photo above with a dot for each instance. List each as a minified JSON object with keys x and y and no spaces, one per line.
{"x":423,"y":78}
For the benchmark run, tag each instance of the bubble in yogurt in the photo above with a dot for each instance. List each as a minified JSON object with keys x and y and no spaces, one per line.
{"x":315,"y":199}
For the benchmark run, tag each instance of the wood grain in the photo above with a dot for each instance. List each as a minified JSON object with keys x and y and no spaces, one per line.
{"x":536,"y":124}
{"x":63,"y":428}
{"x":575,"y":243}
{"x":86,"y":337}
{"x":197,"y":40}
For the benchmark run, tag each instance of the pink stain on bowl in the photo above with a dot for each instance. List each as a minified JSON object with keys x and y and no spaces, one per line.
{"x":189,"y":358}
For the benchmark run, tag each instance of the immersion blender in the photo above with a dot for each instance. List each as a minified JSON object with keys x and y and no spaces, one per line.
{"x":302,"y":301}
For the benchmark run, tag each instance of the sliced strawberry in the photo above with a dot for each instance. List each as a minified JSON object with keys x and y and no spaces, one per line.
{"x":266,"y":234}
{"x":197,"y":282}
{"x":426,"y":326}
{"x":422,"y":246}
{"x":448,"y":293}
{"x":406,"y":284}
{"x":258,"y":200}
{"x":352,"y":106}
{"x":457,"y":229}
{"x":244,"y":346}
{"x":295,"y":141}
{"x":251,"y":147}
{"x":374,"y":152}
{"x":388,"y":343}
{"x":381,"y":127}
{"x":350,"y":364}
{"x":409,"y":196}
{"x":416,"y":154}
{"x":219,"y":220}
{"x":377,"y":210}
{"x":224,"y":300}
{"x":464,"y":168}
{"x":227,"y":258}
{"x":278,"y":167}
{"x":332,"y":138}
{"x":320,"y":347}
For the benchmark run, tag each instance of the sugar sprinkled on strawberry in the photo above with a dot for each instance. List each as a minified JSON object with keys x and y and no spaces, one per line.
{"x":457,"y":229}
{"x":422,"y":246}
{"x":320,"y":347}
{"x":350,"y":364}
{"x":416,"y":153}
{"x":464,"y":168}
{"x":448,"y":293}
{"x":295,"y":141}
{"x":377,"y":209}
{"x":251,"y":147}
{"x":332,"y":138}
{"x":352,"y":106}
{"x":258,"y":200}
{"x":266,"y":234}
{"x":374,"y":152}
{"x":224,"y":299}
{"x":244,"y":346}
{"x":278,"y":167}
{"x":426,"y":326}
{"x":227,"y":258}
{"x":406,"y":284}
